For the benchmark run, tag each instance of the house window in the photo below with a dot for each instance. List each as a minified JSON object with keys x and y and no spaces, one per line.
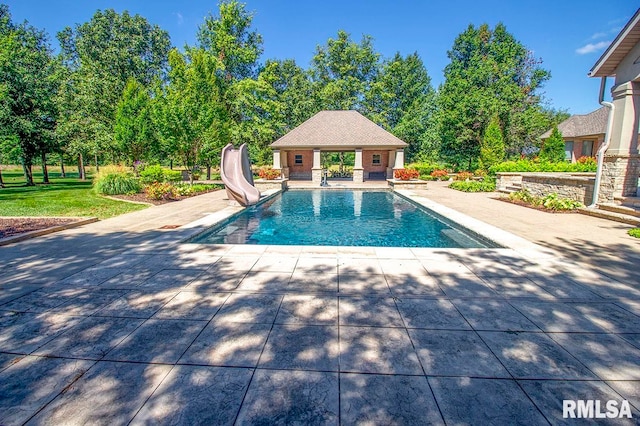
{"x":298,"y":160}
{"x":568,"y":150}
{"x":587,"y":148}
{"x":376,"y":160}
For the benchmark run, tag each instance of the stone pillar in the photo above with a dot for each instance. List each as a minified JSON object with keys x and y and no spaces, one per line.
{"x":284,"y":163}
{"x":276,"y":159}
{"x":621,"y":162}
{"x":316,"y":170}
{"x":399,"y":163}
{"x":358,"y":170}
{"x":391,"y":164}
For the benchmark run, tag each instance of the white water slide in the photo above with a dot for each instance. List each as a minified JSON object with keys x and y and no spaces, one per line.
{"x":235,"y":170}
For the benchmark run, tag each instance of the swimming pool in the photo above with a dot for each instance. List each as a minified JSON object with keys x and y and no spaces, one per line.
{"x":340,"y":218}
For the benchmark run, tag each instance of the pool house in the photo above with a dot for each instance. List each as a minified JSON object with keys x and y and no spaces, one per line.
{"x":377,"y":152}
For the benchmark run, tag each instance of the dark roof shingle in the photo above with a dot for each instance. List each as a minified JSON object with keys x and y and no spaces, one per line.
{"x":345,"y":129}
{"x":594,"y":123}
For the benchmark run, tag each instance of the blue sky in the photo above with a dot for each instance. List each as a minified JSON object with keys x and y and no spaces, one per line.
{"x":568,"y":36}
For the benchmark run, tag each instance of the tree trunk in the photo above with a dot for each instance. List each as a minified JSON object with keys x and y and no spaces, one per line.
{"x":62,"y":173}
{"x":28,"y":174}
{"x":95,"y":157}
{"x":341,"y":168}
{"x":81,"y":173}
{"x":208,"y":171}
{"x":171,"y":164}
{"x":1,"y":181}
{"x":45,"y":171}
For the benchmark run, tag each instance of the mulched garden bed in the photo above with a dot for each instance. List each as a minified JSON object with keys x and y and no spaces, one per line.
{"x":539,"y":208}
{"x":14,"y":226}
{"x":142,"y":198}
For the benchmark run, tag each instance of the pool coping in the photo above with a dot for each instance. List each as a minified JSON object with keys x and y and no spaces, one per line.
{"x":508,"y":241}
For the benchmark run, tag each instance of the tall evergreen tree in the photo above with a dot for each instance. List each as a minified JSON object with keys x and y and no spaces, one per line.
{"x":553,"y":148}
{"x":492,"y":149}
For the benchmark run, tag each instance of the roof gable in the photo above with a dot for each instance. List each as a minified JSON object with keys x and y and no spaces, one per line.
{"x":345,"y":129}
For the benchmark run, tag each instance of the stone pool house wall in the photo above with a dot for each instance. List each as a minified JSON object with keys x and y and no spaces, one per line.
{"x":378,"y":153}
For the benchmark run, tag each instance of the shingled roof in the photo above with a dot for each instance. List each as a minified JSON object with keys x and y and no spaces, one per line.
{"x":594,"y":123}
{"x":338,"y":129}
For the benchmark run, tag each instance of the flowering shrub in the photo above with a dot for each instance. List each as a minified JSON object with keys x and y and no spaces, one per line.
{"x":268,"y":173}
{"x":161,"y":191}
{"x":587,"y":160}
{"x":440,"y":174}
{"x":406,"y":174}
{"x":464,"y":176}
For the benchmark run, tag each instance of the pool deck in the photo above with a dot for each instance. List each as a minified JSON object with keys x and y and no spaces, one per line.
{"x":114,"y":322}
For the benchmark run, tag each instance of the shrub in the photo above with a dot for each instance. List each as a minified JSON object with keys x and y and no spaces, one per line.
{"x":549,"y":202}
{"x":554,"y":202}
{"x":171,"y":175}
{"x":406,"y":174}
{"x":157,"y":174}
{"x":585,"y":160}
{"x":553,"y":148}
{"x":440,"y":174}
{"x":186,"y":189}
{"x":487,"y":185}
{"x":116,"y":181}
{"x":542,"y":166}
{"x":151,"y":174}
{"x":635,"y":232}
{"x":425,"y":168}
{"x":464,"y":176}
{"x":268,"y":173}
{"x":161,"y":191}
{"x":522,"y":195}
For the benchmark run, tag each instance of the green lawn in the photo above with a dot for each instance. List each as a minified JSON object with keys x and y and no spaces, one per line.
{"x":62,"y":197}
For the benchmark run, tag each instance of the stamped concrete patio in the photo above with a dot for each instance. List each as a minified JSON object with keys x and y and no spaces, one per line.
{"x":116,"y":323}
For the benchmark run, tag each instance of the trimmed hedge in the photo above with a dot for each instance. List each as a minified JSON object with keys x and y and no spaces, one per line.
{"x":542,"y":166}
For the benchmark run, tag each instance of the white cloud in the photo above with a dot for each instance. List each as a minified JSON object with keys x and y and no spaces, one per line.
{"x":598,"y":35}
{"x":592,"y":47}
{"x":180,"y":18}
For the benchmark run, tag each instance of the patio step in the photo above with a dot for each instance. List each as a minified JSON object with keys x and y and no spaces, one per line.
{"x":622,"y":209}
{"x":611,"y":215}
{"x":514,"y":187}
{"x":633,"y":202}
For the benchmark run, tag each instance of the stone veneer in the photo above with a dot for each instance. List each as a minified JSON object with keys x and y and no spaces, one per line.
{"x":619,"y":177}
{"x":577,"y":186}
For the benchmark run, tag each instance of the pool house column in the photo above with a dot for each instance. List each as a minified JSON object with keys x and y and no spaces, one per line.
{"x":280,"y":162}
{"x":399,"y":159}
{"x":358,"y":170}
{"x":391,"y":163}
{"x":316,"y":169}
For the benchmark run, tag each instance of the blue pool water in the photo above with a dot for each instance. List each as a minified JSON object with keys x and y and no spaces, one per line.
{"x":340,"y":218}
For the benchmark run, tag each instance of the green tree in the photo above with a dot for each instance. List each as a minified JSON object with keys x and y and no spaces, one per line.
{"x":27,"y":88}
{"x":100,"y":57}
{"x":228,"y":36}
{"x":343,"y":72}
{"x":553,"y":148}
{"x":189,"y":112}
{"x":492,"y":149}
{"x":490,"y":73}
{"x":293,"y":92}
{"x":402,"y":100}
{"x":133,"y":129}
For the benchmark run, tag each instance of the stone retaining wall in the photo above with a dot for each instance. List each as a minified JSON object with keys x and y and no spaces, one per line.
{"x":577,"y":186}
